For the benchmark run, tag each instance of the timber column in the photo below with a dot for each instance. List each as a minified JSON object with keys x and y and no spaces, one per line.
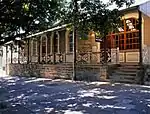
{"x":140,"y":36}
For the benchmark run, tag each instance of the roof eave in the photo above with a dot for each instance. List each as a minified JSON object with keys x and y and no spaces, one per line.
{"x":130,"y":9}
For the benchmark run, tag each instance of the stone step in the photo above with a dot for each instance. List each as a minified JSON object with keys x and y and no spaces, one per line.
{"x":128,"y":69}
{"x":130,"y":66}
{"x":122,"y":81}
{"x":125,"y":73}
{"x":114,"y":76}
{"x":118,"y":72}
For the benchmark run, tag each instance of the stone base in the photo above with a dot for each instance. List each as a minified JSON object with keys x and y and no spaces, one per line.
{"x":83,"y":72}
{"x":146,"y":74}
{"x":42,"y":70}
{"x":89,"y":72}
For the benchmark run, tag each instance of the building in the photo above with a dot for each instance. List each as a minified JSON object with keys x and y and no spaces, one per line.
{"x":52,"y":50}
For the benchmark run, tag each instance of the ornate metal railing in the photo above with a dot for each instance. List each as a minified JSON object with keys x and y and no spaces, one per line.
{"x":81,"y":57}
{"x":52,"y":58}
{"x":93,"y":57}
{"x":108,"y":56}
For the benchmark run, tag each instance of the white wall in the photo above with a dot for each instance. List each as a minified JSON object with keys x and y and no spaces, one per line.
{"x":3,"y":62}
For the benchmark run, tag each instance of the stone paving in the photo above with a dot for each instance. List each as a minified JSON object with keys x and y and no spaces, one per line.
{"x":44,"y":96}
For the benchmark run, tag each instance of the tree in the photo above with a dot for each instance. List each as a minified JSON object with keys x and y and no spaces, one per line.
{"x":95,"y":15}
{"x":19,"y":18}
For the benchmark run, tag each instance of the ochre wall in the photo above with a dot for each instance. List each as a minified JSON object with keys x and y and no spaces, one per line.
{"x":88,"y":45}
{"x":146,"y":30}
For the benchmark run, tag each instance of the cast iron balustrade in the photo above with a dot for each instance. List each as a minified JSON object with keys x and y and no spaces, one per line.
{"x":93,"y":57}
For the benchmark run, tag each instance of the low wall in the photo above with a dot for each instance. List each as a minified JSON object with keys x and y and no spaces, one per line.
{"x":91,"y":72}
{"x":84,"y":72}
{"x":41,"y":70}
{"x":146,"y":74}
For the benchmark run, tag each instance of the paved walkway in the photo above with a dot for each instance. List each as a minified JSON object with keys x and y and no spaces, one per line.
{"x":42,"y":96}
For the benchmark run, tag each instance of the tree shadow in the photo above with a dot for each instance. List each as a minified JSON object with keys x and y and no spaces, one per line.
{"x":43,"y":96}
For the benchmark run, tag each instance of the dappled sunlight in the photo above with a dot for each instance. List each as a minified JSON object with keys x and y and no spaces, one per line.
{"x":107,"y":97}
{"x":85,"y":93}
{"x":11,"y":84}
{"x":67,"y":99}
{"x":100,"y":83}
{"x":145,"y":91}
{"x":110,"y":106}
{"x":42,"y":85}
{"x":72,"y":112}
{"x":46,"y":102}
{"x":38,"y":80}
{"x":21,"y":96}
{"x":87,"y":104}
{"x":72,"y":105}
{"x":95,"y":93}
{"x":44,"y":96}
{"x":48,"y":110}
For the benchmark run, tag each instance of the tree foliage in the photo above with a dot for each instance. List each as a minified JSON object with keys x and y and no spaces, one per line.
{"x":95,"y":15}
{"x":19,"y":18}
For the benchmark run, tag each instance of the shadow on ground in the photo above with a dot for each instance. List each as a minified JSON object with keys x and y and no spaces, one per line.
{"x":44,"y":96}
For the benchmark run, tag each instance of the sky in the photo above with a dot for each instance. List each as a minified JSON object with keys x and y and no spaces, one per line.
{"x":137,"y":2}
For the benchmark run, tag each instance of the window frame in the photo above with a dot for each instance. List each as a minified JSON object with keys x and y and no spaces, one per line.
{"x":70,"y":41}
{"x":121,"y":39}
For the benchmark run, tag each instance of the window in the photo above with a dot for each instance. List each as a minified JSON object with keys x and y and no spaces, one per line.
{"x":131,"y":24}
{"x":55,"y":42}
{"x":132,"y":40}
{"x":48,"y":45}
{"x":34,"y":47}
{"x":71,"y":41}
{"x":26,"y":48}
{"x":43,"y":46}
{"x":127,"y":37}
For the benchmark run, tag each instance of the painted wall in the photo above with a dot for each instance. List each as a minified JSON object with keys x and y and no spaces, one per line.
{"x":3,"y":61}
{"x":146,"y":30}
{"x":146,"y":39}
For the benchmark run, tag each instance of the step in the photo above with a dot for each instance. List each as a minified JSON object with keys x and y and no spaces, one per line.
{"x":118,"y":72}
{"x":125,"y":73}
{"x":122,"y":77}
{"x":123,"y":81}
{"x":128,"y":69}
